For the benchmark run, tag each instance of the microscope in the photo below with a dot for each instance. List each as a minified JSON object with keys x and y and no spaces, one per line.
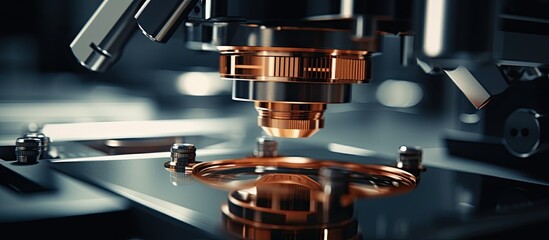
{"x":293,"y":58}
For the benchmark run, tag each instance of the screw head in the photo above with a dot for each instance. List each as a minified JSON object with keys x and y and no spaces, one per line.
{"x":266,"y":147}
{"x":45,"y":140}
{"x":183,"y":148}
{"x":182,"y":156}
{"x":410,"y":157}
{"x":28,"y":150}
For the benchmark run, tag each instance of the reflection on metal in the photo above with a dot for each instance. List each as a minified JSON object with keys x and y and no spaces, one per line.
{"x":346,"y":149}
{"x":297,"y":198}
{"x":158,"y":20}
{"x":291,"y":86}
{"x":287,"y":206}
{"x":366,"y":180}
{"x":180,"y":178}
{"x":294,"y":64}
{"x":434,"y":29}
{"x":470,"y":86}
{"x":82,"y":131}
{"x":101,"y":41}
{"x":290,"y":120}
{"x":478,"y":84}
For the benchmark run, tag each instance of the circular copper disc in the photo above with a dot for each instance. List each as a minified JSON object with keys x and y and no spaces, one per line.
{"x":366,"y":180}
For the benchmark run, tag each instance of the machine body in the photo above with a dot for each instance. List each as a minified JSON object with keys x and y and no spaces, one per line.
{"x":292,"y":58}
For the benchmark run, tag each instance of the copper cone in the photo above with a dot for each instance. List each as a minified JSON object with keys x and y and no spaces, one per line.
{"x":290,"y":120}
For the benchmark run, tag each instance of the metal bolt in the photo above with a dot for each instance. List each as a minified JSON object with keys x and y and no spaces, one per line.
{"x":266,"y":147}
{"x":410,"y":157}
{"x":28,"y":150}
{"x":183,"y":155}
{"x":45,"y":141}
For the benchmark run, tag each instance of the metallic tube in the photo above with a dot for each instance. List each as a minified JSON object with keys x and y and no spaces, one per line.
{"x":478,"y":84}
{"x":451,"y":38}
{"x":159,"y":19}
{"x":101,"y":41}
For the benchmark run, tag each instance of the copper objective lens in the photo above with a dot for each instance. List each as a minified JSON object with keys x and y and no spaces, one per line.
{"x":291,"y":86}
{"x":290,"y":120}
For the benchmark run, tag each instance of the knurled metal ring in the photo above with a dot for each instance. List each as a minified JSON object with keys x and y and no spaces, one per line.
{"x":281,"y":64}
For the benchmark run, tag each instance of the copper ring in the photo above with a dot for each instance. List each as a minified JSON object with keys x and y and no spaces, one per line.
{"x":212,"y":173}
{"x":294,"y":65}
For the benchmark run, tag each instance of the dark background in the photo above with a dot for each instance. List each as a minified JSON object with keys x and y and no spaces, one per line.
{"x":36,"y":36}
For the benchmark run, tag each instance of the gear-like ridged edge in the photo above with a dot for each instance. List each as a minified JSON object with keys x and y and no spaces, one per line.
{"x":183,"y":155}
{"x":187,"y":148}
{"x":28,"y":142}
{"x":327,"y":69}
{"x":27,"y":153}
{"x":291,"y":123}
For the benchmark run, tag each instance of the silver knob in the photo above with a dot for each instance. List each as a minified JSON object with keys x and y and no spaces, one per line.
{"x":266,"y":147}
{"x":44,"y":140}
{"x":28,"y":150}
{"x":410,"y":160}
{"x":182,"y":155}
{"x":409,"y":157}
{"x":158,"y":20}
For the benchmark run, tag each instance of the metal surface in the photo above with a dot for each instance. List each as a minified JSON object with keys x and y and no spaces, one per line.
{"x":291,"y":59}
{"x":158,"y":20}
{"x":366,"y":180}
{"x":443,"y":24}
{"x":101,"y":41}
{"x":524,"y":133}
{"x":280,"y":64}
{"x":244,"y":90}
{"x":266,"y":147}
{"x":182,"y":157}
{"x":236,"y":31}
{"x":478,"y":84}
{"x":286,"y":206}
{"x":291,"y":86}
{"x":409,"y":157}
{"x":290,"y":120}
{"x":197,"y":206}
{"x":28,"y":150}
{"x":44,"y":142}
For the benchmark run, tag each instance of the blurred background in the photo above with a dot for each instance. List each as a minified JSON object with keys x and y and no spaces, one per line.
{"x":42,"y":82}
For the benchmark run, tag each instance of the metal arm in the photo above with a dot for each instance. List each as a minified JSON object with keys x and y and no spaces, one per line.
{"x":101,"y":41}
